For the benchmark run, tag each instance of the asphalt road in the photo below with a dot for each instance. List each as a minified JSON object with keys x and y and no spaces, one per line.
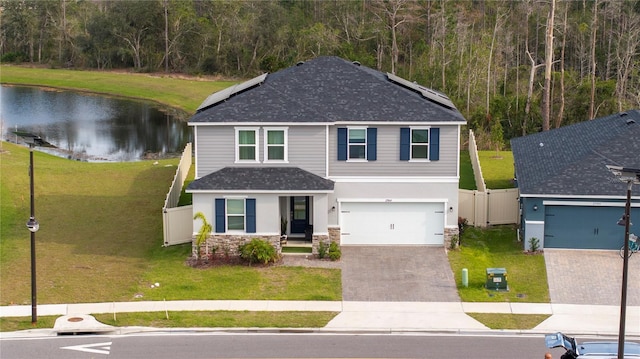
{"x":256,"y":345}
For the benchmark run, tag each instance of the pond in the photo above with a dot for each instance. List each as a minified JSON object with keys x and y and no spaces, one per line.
{"x":92,"y":127}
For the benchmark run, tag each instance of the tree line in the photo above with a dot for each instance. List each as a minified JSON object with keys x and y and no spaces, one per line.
{"x":514,"y":67}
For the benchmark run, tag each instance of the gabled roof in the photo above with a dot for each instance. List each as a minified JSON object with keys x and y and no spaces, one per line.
{"x":326,"y":90}
{"x":572,"y":160}
{"x":239,"y":179}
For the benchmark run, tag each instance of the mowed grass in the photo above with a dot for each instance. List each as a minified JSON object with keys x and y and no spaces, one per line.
{"x":497,"y":247}
{"x":180,"y":93}
{"x":467,"y":178}
{"x":193,"y":319}
{"x":497,"y":169}
{"x":100,"y":239}
{"x":509,"y":321}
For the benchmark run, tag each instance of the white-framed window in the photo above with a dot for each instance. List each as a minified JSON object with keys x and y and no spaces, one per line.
{"x":420,"y":143}
{"x":235,"y":213}
{"x":247,"y":144}
{"x":275,"y":144}
{"x":357,"y":143}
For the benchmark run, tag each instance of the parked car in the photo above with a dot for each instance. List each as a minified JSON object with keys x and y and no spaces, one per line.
{"x":590,"y":350}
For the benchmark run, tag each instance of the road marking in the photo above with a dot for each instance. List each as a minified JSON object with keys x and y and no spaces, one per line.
{"x":97,"y":348}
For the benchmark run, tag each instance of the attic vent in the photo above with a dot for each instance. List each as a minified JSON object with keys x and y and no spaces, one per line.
{"x":624,"y":114}
{"x":630,"y":121}
{"x":357,"y":63}
{"x":300,"y":63}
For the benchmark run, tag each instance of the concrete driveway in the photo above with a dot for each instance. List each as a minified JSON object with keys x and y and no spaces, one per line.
{"x":397,"y":274}
{"x":590,"y":277}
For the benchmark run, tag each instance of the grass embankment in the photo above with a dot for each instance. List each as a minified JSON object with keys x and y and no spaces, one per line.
{"x":178,"y":93}
{"x":100,"y":239}
{"x":218,"y":319}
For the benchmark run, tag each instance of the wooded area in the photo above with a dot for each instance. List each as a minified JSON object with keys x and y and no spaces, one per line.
{"x":512,"y":67}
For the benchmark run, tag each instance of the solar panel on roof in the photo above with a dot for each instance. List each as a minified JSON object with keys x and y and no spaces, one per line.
{"x":430,"y":94}
{"x":230,"y":91}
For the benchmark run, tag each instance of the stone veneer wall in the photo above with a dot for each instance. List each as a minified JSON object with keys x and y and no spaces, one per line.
{"x":227,"y":244}
{"x":315,"y":242}
{"x":448,"y":234}
{"x":334,"y":235}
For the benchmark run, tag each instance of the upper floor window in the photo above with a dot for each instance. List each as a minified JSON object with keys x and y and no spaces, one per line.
{"x":247,"y":144}
{"x":275,"y":140}
{"x":357,"y":143}
{"x":419,"y":144}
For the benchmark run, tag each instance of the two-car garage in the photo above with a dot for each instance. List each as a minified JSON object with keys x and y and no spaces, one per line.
{"x":392,"y":223}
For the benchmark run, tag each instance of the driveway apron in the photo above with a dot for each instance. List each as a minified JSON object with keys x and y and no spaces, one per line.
{"x":397,"y":274}
{"x":590,"y":277}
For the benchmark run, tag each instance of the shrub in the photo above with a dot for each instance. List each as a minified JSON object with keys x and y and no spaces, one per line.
{"x":322,"y":249}
{"x":455,"y":242}
{"x":258,"y":250}
{"x":334,"y":251}
{"x":534,"y":244}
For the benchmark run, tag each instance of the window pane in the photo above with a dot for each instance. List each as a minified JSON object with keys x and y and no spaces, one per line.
{"x":357,"y":151}
{"x":276,"y":153}
{"x":275,"y":137}
{"x":247,"y":153}
{"x":420,"y":136}
{"x":235,"y":223}
{"x":357,"y":136}
{"x":235,"y":206}
{"x":247,"y":137}
{"x":419,"y":151}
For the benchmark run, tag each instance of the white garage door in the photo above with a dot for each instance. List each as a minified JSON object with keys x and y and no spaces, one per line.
{"x":391,"y":223}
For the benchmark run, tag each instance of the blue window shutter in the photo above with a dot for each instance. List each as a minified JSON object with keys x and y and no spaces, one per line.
{"x":220,"y":215}
{"x":342,"y":144}
{"x":250,"y":204}
{"x":372,"y":134}
{"x":405,"y":143}
{"x":434,"y":144}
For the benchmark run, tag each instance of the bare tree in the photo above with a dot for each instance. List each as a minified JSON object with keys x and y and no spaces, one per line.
{"x":560,"y":114}
{"x":548,"y":65}
{"x":594,"y":27}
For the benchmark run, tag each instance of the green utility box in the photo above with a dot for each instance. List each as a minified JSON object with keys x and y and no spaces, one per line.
{"x":497,"y":279}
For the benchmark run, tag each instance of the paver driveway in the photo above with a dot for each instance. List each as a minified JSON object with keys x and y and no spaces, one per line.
{"x":590,"y":277}
{"x":397,"y":274}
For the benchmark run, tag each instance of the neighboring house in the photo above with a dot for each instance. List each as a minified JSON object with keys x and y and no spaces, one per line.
{"x":328,"y":150}
{"x":568,"y":197}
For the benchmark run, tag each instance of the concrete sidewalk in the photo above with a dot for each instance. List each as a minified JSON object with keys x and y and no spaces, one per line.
{"x":380,"y":316}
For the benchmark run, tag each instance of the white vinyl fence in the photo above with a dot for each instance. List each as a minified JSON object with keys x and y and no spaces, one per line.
{"x":486,"y":207}
{"x":177,"y":222}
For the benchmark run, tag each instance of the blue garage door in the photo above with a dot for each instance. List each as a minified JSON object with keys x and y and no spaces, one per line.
{"x":585,"y":227}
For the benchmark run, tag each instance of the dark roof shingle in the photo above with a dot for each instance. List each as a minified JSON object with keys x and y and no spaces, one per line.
{"x":326,"y":89}
{"x":572,"y":160}
{"x":261,"y":179}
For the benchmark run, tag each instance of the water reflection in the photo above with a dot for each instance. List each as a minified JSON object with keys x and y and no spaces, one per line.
{"x":91,"y":127}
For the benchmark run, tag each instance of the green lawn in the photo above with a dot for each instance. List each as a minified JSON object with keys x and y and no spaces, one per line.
{"x":497,"y":247}
{"x":467,"y":178}
{"x":100,"y":239}
{"x":497,"y":169}
{"x":199,"y":319}
{"x":179,"y":93}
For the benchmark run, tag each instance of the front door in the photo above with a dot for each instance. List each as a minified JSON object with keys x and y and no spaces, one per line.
{"x":299,"y":214}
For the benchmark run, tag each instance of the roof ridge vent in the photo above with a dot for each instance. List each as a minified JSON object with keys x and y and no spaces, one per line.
{"x":300,"y":63}
{"x":357,"y":63}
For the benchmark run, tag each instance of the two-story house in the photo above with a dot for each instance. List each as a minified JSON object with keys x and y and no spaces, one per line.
{"x":328,"y":150}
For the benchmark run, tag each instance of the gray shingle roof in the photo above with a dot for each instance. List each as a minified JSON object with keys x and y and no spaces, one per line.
{"x":261,"y":179}
{"x":327,"y":89}
{"x":571,"y":160}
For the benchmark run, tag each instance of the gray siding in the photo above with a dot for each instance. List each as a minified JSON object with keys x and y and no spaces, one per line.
{"x":215,"y":149}
{"x":388,"y":156}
